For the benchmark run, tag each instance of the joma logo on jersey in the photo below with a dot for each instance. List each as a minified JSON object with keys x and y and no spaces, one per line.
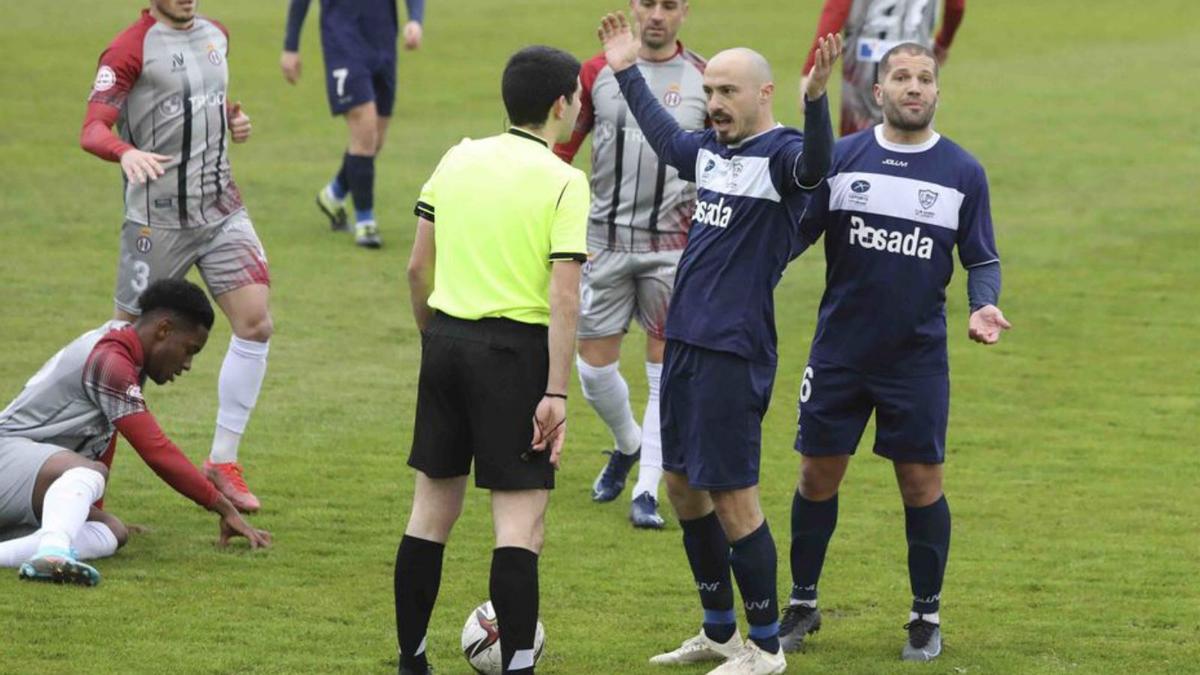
{"x":716,"y":215}
{"x":911,"y":244}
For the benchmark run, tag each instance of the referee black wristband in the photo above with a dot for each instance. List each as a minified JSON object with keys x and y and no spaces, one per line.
{"x":551,"y":395}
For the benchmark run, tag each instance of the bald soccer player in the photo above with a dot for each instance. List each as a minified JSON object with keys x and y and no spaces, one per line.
{"x":753,"y":178}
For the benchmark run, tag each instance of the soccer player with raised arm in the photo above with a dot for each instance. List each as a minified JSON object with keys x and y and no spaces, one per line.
{"x":494,"y":285}
{"x":163,"y":81}
{"x":637,"y":228}
{"x":900,"y":198}
{"x":358,"y":39}
{"x":57,"y":439}
{"x":754,"y":179}
{"x":871,"y":28}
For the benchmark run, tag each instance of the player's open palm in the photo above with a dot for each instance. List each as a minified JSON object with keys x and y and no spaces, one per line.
{"x":829,"y":48}
{"x":234,"y":525}
{"x":986,"y":324}
{"x":619,"y":41}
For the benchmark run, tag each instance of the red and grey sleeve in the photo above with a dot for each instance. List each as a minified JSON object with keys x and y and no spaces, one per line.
{"x":587,"y":111}
{"x":118,"y":70}
{"x":833,"y":17}
{"x":951,"y":18}
{"x":165,"y":458}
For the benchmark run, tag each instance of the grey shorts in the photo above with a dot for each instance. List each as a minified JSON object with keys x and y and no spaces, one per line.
{"x":20,"y":461}
{"x":228,"y":254}
{"x":617,"y":285}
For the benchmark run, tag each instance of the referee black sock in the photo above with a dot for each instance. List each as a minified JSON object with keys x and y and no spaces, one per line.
{"x":708,"y":554}
{"x":813,"y":524}
{"x":417,"y":578}
{"x":928,"y":530}
{"x":360,"y":176}
{"x":754,"y":563}
{"x":514,"y":591}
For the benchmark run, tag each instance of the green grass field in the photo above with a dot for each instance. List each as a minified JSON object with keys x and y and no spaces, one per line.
{"x":1073,"y":473}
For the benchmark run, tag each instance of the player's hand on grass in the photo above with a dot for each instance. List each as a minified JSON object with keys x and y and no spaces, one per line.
{"x":550,"y":427}
{"x":619,"y":40}
{"x":234,"y":525}
{"x":986,"y":324}
{"x":412,"y":35}
{"x":289,"y":63}
{"x":829,"y":48}
{"x":239,"y":124}
{"x":140,"y":167}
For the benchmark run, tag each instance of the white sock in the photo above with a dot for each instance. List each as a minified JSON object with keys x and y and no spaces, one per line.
{"x":606,"y":390}
{"x":237,"y":391}
{"x":650,"y":469}
{"x":792,"y":602}
{"x":94,"y":540}
{"x":66,"y":505}
{"x":931,"y":618}
{"x":16,"y":551}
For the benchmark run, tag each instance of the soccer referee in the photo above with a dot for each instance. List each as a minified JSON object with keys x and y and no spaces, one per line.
{"x":511,"y":219}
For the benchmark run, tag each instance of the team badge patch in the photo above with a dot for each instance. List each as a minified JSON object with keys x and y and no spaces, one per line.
{"x":105,"y":79}
{"x":672,"y":98}
{"x":214,"y":55}
{"x":927,"y":198}
{"x":143,"y":244}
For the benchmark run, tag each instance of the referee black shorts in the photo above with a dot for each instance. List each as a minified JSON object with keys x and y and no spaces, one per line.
{"x":480,"y":383}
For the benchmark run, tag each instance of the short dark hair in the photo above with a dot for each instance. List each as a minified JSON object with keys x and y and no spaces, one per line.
{"x":179,"y":297}
{"x":910,"y":48}
{"x":533,"y":80}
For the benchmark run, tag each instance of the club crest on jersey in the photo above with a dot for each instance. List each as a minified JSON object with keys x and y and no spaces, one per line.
{"x":715,"y":215}
{"x":672,"y":98}
{"x":912,"y":244}
{"x":927,"y":197}
{"x":105,"y":79}
{"x":214,"y":55}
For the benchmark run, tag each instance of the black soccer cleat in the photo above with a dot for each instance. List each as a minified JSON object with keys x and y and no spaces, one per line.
{"x":611,"y":481}
{"x":924,"y":641}
{"x":799,"y":621}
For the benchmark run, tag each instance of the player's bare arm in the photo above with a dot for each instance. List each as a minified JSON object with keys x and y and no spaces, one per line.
{"x":620,"y":41}
{"x":829,"y":48}
{"x":420,"y":273}
{"x":234,"y":525}
{"x":550,"y":418}
{"x":239,"y":124}
{"x":986,"y":324}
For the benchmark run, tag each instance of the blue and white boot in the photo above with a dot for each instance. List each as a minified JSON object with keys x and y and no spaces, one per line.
{"x":59,"y":566}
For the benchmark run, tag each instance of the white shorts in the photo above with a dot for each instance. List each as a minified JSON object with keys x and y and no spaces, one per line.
{"x":20,"y":461}
{"x":617,"y":285}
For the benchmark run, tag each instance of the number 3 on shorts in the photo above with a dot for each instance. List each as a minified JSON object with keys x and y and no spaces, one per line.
{"x":141,"y":275}
{"x":340,"y":74}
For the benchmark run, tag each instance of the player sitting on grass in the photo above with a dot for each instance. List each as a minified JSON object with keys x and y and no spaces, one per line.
{"x":58,"y":437}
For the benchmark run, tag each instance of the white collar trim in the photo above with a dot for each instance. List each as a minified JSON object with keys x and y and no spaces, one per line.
{"x":904,"y":147}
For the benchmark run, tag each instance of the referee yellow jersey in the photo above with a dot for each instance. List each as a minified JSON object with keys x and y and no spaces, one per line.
{"x":505,"y":207}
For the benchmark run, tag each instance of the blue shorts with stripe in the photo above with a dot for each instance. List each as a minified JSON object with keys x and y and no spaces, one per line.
{"x":911,"y":413}
{"x":712,"y":408}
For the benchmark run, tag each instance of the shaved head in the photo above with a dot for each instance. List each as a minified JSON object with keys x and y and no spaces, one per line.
{"x":745,"y":64}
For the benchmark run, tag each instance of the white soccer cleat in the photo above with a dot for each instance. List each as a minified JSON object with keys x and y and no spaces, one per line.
{"x":700,"y":648}
{"x":752,"y":660}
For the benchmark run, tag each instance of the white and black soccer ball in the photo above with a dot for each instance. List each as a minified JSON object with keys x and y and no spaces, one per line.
{"x":481,"y":640}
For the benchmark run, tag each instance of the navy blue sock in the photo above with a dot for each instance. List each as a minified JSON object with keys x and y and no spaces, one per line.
{"x":708,"y":554}
{"x":360,"y":176}
{"x":514,"y":591}
{"x":340,"y":185}
{"x":418,"y":575}
{"x":928,"y":530}
{"x":813,"y":524}
{"x":753,"y":560}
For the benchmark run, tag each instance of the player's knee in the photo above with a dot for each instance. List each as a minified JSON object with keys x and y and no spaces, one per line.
{"x":258,"y":328}
{"x":819,"y":481}
{"x":100,"y":468}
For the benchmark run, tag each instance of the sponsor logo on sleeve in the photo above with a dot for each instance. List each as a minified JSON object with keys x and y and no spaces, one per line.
{"x":134,"y":393}
{"x":105,"y":79}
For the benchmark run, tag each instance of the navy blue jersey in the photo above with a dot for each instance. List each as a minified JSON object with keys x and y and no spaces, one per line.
{"x":353,"y":25}
{"x":892,"y":215}
{"x":750,"y":198}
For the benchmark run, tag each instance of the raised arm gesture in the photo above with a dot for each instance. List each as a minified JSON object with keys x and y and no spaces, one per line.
{"x":829,"y":48}
{"x":619,"y":40}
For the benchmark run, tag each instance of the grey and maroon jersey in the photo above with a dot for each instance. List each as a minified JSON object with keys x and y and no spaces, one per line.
{"x":639,"y":204}
{"x":170,"y":88}
{"x":76,"y":397}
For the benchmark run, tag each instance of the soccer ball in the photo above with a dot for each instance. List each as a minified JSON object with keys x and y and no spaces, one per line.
{"x":481,"y":640}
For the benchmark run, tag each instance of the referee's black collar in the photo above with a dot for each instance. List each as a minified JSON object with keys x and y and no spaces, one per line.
{"x":525,"y":134}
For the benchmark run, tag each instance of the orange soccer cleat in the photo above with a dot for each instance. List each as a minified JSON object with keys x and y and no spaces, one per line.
{"x":227,"y":477}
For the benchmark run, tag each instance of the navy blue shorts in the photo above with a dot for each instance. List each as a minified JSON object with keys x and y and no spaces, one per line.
{"x":354,"y":76}
{"x":712,"y":409}
{"x":910,"y":413}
